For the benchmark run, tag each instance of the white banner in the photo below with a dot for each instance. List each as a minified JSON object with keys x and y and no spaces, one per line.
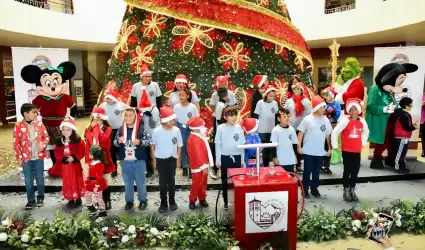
{"x":414,"y":81}
{"x":42,"y":57}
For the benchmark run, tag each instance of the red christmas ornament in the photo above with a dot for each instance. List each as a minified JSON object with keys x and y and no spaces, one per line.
{"x":133,"y":40}
{"x":124,"y":94}
{"x":169,"y":86}
{"x":121,"y":56}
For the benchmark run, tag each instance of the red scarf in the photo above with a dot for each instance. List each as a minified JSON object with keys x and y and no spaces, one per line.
{"x":299,"y":106}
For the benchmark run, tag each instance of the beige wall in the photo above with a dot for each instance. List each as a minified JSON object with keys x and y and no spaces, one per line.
{"x":96,"y":64}
{"x":324,"y":63}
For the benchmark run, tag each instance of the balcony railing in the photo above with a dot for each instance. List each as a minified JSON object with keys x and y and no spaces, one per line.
{"x":340,"y":8}
{"x":63,"y":6}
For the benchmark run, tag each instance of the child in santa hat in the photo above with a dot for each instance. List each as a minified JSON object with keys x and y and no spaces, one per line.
{"x":114,"y":111}
{"x":167,"y":146}
{"x":99,"y":133}
{"x":69,"y":151}
{"x":182,"y":82}
{"x":151,"y":121}
{"x":132,"y":139}
{"x":250,"y":126}
{"x":314,"y":130}
{"x":299,"y":106}
{"x":200,"y":158}
{"x":146,"y":84}
{"x":354,"y":134}
{"x":285,"y":136}
{"x":227,"y":154}
{"x":260,"y":84}
{"x":332,"y":112}
{"x":96,"y":184}
{"x":265,"y":112}
{"x":184,"y":110}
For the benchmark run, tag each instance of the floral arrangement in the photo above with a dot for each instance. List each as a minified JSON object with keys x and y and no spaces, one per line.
{"x":19,"y":230}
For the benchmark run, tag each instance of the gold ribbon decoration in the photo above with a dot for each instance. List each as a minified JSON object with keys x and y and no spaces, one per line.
{"x":142,"y":56}
{"x":122,"y":38}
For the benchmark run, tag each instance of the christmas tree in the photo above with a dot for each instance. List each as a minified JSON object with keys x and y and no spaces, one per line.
{"x":206,"y":38}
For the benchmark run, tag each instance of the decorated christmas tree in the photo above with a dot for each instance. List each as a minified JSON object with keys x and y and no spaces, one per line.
{"x":206,"y":38}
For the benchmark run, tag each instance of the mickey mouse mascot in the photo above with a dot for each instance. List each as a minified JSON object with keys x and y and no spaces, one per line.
{"x":52,"y":101}
{"x":381,"y":104}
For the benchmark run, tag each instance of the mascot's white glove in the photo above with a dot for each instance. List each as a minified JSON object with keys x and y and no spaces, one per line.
{"x":389,"y":109}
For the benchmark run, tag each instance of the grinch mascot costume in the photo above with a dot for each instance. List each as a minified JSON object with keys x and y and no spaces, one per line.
{"x":349,"y":85}
{"x":381,"y":104}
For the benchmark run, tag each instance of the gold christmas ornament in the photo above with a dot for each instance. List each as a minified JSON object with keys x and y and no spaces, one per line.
{"x":153,"y":25}
{"x":234,"y":55}
{"x":142,"y":56}
{"x":262,"y":2}
{"x":299,"y":61}
{"x":194,"y":32}
{"x":282,"y":5}
{"x":122,"y":38}
{"x":278,"y":49}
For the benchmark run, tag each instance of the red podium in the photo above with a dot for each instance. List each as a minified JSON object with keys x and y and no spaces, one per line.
{"x":263,"y":207}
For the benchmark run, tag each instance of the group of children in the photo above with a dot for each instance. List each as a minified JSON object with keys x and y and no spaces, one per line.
{"x":149,"y":136}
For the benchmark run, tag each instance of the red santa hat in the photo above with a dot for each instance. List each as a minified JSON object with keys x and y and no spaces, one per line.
{"x":258,"y":81}
{"x":250,"y":125}
{"x":181,"y":78}
{"x":354,"y":102}
{"x":329,"y":91}
{"x":195,"y":122}
{"x":99,"y":113}
{"x":145,"y":70}
{"x":317,"y":102}
{"x":68,"y":122}
{"x":167,"y":114}
{"x":222,"y":81}
{"x":134,"y":134}
{"x":268,"y":90}
{"x":112,"y":94}
{"x":145,"y":104}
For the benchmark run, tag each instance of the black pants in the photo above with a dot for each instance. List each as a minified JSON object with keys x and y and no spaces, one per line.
{"x":400,"y":147}
{"x":167,"y":172}
{"x":148,"y":161}
{"x":214,"y":131}
{"x":299,"y":156}
{"x":106,"y":195}
{"x":288,"y":168}
{"x":326,"y":159}
{"x":351,"y":163}
{"x":267,"y":153}
{"x":226,"y":163}
{"x":422,"y":128}
{"x":114,"y":150}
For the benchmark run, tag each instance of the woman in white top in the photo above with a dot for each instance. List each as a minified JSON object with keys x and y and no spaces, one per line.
{"x":182,"y":82}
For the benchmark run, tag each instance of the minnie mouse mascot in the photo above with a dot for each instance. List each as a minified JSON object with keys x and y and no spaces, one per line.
{"x":51,"y":100}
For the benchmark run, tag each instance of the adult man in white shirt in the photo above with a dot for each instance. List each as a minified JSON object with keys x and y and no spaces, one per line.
{"x":151,"y":88}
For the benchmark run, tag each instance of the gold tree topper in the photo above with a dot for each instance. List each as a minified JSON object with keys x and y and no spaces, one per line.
{"x":193,"y":32}
{"x":122,"y":38}
{"x":334,"y":47}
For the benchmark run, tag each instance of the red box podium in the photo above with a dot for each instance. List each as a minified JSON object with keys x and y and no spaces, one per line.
{"x":263,"y":207}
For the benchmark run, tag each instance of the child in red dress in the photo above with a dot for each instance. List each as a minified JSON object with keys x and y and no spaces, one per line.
{"x":69,"y":151}
{"x":95,"y":182}
{"x":99,"y":132}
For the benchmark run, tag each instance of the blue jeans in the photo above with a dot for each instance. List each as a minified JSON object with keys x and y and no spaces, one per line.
{"x":34,"y":168}
{"x":312,"y":166}
{"x":185,"y":136}
{"x":134,"y":171}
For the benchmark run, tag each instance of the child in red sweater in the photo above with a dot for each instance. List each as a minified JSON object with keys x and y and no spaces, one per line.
{"x":354,"y":135}
{"x":200,"y":158}
{"x":99,"y":132}
{"x":95,"y":182}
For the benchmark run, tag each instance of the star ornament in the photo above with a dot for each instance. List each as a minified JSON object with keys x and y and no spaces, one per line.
{"x":334,"y":47}
{"x":234,"y":55}
{"x":122,"y":37}
{"x":143,"y":54}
